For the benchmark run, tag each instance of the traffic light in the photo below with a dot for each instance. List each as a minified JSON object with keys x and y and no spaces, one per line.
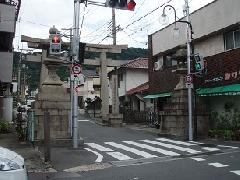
{"x":121,"y":4}
{"x":81,"y":52}
{"x":198,"y":63}
{"x":55,"y":44}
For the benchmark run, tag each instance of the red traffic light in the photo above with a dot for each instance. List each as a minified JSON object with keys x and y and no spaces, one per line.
{"x":56,"y":39}
{"x":131,"y":5}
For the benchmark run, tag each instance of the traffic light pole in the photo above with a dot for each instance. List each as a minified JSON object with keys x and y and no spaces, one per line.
{"x":75,"y":53}
{"x":189,"y":39}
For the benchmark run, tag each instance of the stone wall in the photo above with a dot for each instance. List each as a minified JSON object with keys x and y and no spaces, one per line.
{"x":56,"y":101}
{"x":175,"y":116}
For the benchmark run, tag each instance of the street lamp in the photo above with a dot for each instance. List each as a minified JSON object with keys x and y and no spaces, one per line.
{"x":190,"y":50}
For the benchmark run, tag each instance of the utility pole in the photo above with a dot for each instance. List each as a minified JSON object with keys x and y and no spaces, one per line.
{"x":189,"y":39}
{"x":19,"y":74}
{"x":114,"y":32}
{"x":75,"y":50}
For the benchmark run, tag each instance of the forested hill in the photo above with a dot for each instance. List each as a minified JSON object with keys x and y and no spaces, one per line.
{"x":127,"y":54}
{"x":33,"y":69}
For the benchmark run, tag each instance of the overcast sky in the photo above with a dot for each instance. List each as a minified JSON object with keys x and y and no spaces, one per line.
{"x":37,"y":16}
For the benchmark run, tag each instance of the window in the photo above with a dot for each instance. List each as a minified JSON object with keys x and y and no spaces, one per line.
{"x":232,"y":39}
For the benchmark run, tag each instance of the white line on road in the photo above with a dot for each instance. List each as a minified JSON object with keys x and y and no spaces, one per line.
{"x":236,"y":172}
{"x":99,"y":156}
{"x":175,"y":142}
{"x":218,"y":165}
{"x":198,"y":159}
{"x":232,"y":147}
{"x":99,"y":147}
{"x":171,"y":146}
{"x":195,"y":142}
{"x":83,"y":120}
{"x":119,"y":156}
{"x":145,"y":146}
{"x":210,"y":149}
{"x":133,"y":150}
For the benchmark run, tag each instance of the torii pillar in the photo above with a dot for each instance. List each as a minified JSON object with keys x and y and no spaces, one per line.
{"x":104,"y":63}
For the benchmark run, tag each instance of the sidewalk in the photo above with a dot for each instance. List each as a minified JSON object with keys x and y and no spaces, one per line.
{"x":33,"y":158}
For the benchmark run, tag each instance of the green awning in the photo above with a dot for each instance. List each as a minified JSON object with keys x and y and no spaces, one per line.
{"x":229,"y":90}
{"x":153,"y":96}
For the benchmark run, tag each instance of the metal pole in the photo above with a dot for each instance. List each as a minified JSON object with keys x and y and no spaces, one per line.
{"x":114,"y":33}
{"x":190,"y":131}
{"x":47,"y":148}
{"x":76,"y":40}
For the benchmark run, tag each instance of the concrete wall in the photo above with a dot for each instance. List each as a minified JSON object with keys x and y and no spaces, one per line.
{"x":135,"y":78}
{"x":210,"y":46}
{"x":131,"y":79}
{"x":7,"y":18}
{"x":6,"y":61}
{"x":214,"y":17}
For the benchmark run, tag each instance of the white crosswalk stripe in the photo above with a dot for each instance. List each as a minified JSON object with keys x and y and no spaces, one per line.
{"x":170,"y":146}
{"x":133,"y":150}
{"x":210,"y":149}
{"x":99,"y":147}
{"x":119,"y":156}
{"x":127,"y":150}
{"x":175,"y":142}
{"x":145,"y":146}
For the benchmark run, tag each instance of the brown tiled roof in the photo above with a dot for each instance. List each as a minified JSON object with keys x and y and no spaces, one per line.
{"x":137,"y":63}
{"x":139,"y":89}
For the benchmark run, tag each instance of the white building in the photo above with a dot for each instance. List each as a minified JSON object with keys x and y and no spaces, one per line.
{"x":217,"y":39}
{"x":131,"y":75}
{"x":8,"y":15}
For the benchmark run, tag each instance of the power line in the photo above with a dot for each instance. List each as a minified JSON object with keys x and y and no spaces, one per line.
{"x":147,"y":14}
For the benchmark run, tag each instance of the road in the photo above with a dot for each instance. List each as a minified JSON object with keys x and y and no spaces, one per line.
{"x":131,"y":154}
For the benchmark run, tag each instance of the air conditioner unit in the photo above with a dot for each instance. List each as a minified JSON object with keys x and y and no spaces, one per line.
{"x":158,"y":65}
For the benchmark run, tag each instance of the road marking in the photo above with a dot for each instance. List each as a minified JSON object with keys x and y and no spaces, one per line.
{"x":210,"y":149}
{"x":119,"y":156}
{"x":145,"y":146}
{"x":218,"y":165}
{"x":232,"y":147}
{"x":198,"y":159}
{"x":175,"y":142}
{"x":236,"y":172}
{"x":99,"y":156}
{"x":133,"y":150}
{"x":99,"y":147}
{"x":195,"y":142}
{"x":83,"y":120}
{"x":90,"y":167}
{"x":171,"y":146}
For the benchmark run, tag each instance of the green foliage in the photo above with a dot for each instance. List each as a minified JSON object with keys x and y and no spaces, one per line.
{"x":4,"y":126}
{"x":21,"y":133}
{"x":63,"y":73}
{"x":227,"y":125}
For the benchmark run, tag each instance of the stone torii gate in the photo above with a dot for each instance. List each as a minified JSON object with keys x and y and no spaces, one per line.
{"x":115,"y":119}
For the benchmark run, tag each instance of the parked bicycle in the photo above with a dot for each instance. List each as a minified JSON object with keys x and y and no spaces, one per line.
{"x":153,"y":119}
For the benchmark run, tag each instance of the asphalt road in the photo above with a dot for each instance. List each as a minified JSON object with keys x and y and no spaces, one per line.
{"x":174,"y":169}
{"x":131,"y":154}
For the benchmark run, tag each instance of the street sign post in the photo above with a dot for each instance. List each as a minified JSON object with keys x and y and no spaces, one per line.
{"x":76,"y":69}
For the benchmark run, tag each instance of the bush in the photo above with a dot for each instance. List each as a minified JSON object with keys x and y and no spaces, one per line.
{"x":227,"y":124}
{"x":4,"y":126}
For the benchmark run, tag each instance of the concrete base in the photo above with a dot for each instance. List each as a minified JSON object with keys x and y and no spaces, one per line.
{"x":116,"y":120}
{"x":56,"y":101}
